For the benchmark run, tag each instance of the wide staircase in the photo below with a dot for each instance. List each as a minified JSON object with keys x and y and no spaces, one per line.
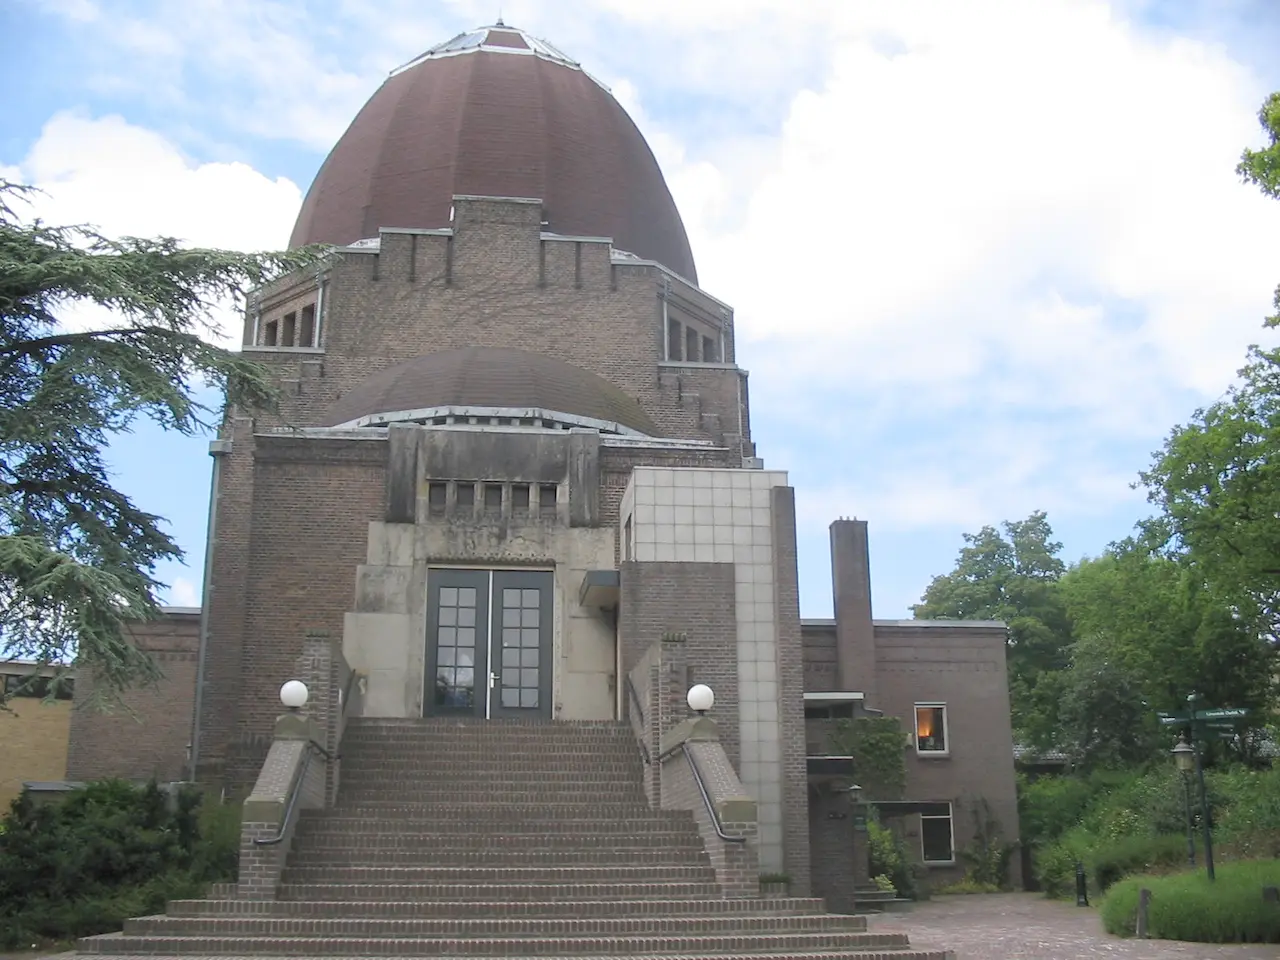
{"x":456,"y":839}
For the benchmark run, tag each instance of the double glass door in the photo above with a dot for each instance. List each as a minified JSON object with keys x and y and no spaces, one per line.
{"x":489,"y":643}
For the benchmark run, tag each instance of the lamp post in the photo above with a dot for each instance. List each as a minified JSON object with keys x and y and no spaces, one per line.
{"x":700,"y":698}
{"x":1198,"y":761}
{"x":1183,"y":755}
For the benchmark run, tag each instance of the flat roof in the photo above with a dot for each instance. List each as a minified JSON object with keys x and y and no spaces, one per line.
{"x":969,"y":624}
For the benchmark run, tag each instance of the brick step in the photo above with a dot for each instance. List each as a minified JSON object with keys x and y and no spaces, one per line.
{"x":496,"y":840}
{"x":495,"y":812}
{"x":448,"y":766}
{"x":691,"y":924}
{"x":497,"y":910}
{"x":332,"y":824}
{"x":550,"y":735}
{"x":695,"y":946}
{"x":603,"y":855}
{"x":509,"y":794}
{"x":502,"y":892}
{"x":499,"y":874}
{"x":854,"y":954}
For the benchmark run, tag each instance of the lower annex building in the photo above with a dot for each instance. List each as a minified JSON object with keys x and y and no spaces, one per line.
{"x":513,"y":450}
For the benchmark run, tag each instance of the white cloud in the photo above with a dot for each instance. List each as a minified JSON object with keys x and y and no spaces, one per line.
{"x":183,"y":593}
{"x":129,"y":181}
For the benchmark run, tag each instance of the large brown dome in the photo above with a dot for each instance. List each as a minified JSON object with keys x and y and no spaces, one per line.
{"x":496,"y":112}
{"x":491,"y":378}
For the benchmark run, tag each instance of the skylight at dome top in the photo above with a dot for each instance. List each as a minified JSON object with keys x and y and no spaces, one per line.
{"x":496,"y":39}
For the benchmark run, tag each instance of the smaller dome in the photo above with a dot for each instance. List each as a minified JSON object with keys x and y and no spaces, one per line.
{"x":493,"y":378}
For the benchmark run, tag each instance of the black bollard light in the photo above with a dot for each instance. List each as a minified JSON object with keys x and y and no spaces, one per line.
{"x":1082,"y":888}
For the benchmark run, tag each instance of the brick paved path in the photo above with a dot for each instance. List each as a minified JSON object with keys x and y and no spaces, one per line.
{"x":1025,"y":926}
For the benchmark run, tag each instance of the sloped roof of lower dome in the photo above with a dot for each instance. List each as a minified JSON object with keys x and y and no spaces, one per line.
{"x":490,"y":377}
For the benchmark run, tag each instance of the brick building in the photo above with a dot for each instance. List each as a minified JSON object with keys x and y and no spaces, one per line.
{"x":514,"y":449}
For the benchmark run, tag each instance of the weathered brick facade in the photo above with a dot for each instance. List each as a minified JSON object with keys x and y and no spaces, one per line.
{"x":148,"y":736}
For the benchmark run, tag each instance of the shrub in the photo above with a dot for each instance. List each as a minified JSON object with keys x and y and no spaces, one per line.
{"x":889,"y":858}
{"x":969,"y":885}
{"x":1124,"y":855}
{"x":1186,"y":906}
{"x":84,"y":864}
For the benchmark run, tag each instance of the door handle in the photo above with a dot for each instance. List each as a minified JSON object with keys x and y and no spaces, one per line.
{"x":493,"y":679}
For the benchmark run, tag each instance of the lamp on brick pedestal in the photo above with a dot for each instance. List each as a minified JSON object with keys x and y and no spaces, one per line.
{"x":294,"y":694}
{"x":701,"y":698}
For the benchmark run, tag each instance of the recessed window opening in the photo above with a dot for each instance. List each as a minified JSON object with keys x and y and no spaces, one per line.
{"x":709,"y":351}
{"x":271,"y":334}
{"x":493,"y":498}
{"x":520,"y":498}
{"x":675,"y":340}
{"x":287,"y":329}
{"x":437,"y":498}
{"x":466,"y":495}
{"x":627,"y":553}
{"x":937,"y":843}
{"x":307,"y":335}
{"x":691,"y":345}
{"x":828,"y":711}
{"x":547,"y":500}
{"x":931,"y":728}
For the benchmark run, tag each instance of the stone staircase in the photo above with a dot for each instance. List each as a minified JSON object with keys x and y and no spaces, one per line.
{"x":455,"y":839}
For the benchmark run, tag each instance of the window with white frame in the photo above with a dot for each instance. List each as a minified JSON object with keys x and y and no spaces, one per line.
{"x":931,"y":729}
{"x":937,"y":840}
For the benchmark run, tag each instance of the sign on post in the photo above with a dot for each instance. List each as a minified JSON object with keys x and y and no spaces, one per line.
{"x":1221,"y":713}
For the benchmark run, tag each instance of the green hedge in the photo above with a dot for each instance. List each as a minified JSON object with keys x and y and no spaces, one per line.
{"x":84,"y":864}
{"x":1186,"y":906}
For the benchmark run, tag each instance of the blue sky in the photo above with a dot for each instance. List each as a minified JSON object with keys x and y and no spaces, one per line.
{"x":983,"y":256}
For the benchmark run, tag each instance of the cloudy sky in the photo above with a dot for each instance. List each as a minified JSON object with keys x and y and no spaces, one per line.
{"x":983,"y":254}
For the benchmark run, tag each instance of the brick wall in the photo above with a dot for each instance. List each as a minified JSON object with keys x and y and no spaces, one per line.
{"x":496,"y":282}
{"x":833,"y":844}
{"x":313,"y":502}
{"x":33,"y":743}
{"x":696,"y":599}
{"x":149,"y":737}
{"x":790,"y":654}
{"x":963,"y":667}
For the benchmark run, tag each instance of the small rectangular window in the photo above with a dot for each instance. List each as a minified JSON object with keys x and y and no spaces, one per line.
{"x":437,"y":498}
{"x":828,"y":711}
{"x":466,"y":496}
{"x":520,"y":498}
{"x":709,"y":351}
{"x":307,"y":335}
{"x":626,"y":541}
{"x":691,"y":339}
{"x":287,"y":329}
{"x":547,"y":500}
{"x":271,"y":334}
{"x":937,"y":844}
{"x":493,"y":498}
{"x":675,"y":340}
{"x":931,"y":728}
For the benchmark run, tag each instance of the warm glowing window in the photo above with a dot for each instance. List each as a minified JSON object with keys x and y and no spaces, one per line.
{"x":931,"y":728}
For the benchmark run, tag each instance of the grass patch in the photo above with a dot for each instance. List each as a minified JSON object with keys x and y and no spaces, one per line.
{"x":1186,"y":906}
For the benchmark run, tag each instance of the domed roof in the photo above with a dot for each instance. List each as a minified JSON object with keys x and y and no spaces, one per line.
{"x":489,"y":377}
{"x":497,"y":113}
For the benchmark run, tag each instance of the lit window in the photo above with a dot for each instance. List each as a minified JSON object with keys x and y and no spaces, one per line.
{"x":936,"y":841}
{"x":931,"y":728}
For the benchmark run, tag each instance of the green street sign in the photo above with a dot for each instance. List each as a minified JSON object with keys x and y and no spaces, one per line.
{"x":1225,"y":734}
{"x":1169,"y":721}
{"x":1220,"y":725}
{"x":1219,"y":713}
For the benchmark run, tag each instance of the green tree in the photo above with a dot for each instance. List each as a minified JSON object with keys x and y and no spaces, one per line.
{"x":1153,"y":618}
{"x":77,"y":556}
{"x":1262,"y":167}
{"x":1013,"y":576}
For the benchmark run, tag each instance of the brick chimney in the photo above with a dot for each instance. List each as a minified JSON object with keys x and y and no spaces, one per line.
{"x":851,"y":594}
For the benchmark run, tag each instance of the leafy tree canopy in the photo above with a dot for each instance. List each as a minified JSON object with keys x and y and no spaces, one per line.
{"x":77,"y":556}
{"x":1011,"y":575}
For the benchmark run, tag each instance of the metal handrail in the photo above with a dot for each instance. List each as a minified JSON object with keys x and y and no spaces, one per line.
{"x":294,"y":793}
{"x":706,"y":797}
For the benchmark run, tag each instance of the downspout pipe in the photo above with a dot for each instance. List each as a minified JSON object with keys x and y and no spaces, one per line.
{"x":217,"y":450}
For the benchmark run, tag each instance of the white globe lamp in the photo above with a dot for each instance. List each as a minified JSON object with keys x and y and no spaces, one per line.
{"x":701,"y":698}
{"x":294,"y":694}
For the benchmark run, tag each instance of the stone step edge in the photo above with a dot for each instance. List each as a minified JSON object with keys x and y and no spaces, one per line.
{"x":522,"y":928}
{"x":293,"y":908}
{"x":882,"y":954}
{"x":613,"y":945}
